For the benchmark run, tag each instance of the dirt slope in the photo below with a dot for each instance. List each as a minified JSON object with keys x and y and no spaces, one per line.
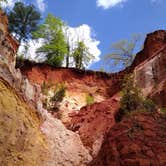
{"x":139,"y":140}
{"x":94,"y":121}
{"x":21,"y":142}
{"x":29,"y":135}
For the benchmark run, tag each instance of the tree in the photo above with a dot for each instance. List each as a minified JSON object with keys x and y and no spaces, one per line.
{"x":67,"y":56}
{"x":131,"y":95}
{"x":2,"y":2}
{"x":132,"y":99}
{"x":55,"y":46}
{"x":123,"y":52}
{"x":23,"y":20}
{"x":81,"y":55}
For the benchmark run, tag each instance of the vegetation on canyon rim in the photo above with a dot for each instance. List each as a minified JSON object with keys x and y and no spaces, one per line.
{"x":123,"y":52}
{"x":25,"y":24}
{"x":23,"y":20}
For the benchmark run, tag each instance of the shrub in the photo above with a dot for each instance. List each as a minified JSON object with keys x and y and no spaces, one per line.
{"x":20,"y":57}
{"x":59,"y":93}
{"x":51,"y":101}
{"x":149,"y":105}
{"x":89,"y":99}
{"x":132,"y":99}
{"x":131,"y":96}
{"x":163,"y":110}
{"x":44,"y":88}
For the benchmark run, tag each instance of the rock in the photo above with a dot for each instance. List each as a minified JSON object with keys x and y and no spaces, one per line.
{"x":122,"y":149}
{"x":21,"y":141}
{"x":79,"y":84}
{"x":66,"y":146}
{"x":28,"y":136}
{"x":150,"y":69}
{"x":94,"y":121}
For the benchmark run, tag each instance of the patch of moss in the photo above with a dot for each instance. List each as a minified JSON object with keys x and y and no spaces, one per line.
{"x":89,"y":99}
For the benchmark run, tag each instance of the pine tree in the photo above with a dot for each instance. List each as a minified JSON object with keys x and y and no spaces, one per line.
{"x":23,"y":20}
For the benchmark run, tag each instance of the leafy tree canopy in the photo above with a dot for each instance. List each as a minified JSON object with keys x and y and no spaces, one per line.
{"x":123,"y":52}
{"x":81,"y":55}
{"x":23,"y":20}
{"x":55,"y":46}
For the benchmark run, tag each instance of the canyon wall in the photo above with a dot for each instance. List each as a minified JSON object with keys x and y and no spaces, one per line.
{"x":94,"y":122}
{"x":150,"y":75}
{"x":29,"y":134}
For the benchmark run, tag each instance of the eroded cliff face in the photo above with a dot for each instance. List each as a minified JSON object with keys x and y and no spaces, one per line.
{"x":150,"y":75}
{"x":94,"y":121}
{"x":21,"y":141}
{"x":139,"y":140}
{"x":96,"y":124}
{"x":79,"y":84}
{"x":29,"y":135}
{"x":154,"y":42}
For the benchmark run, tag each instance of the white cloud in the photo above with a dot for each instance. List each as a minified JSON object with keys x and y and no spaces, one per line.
{"x":41,"y":5}
{"x":106,"y":4}
{"x":156,"y":1}
{"x":109,"y":3}
{"x":81,"y":33}
{"x":30,"y":52}
{"x":84,"y":33}
{"x":9,"y":3}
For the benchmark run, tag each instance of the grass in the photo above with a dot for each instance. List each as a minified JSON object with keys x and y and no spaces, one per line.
{"x":89,"y":99}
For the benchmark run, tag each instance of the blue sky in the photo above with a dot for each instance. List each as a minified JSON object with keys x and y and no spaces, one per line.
{"x":109,"y":20}
{"x":114,"y":23}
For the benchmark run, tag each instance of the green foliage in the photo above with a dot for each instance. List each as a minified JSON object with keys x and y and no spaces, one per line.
{"x":55,"y":46}
{"x":59,"y":93}
{"x":81,"y":55}
{"x":131,"y":96}
{"x":102,"y":69}
{"x":2,"y":1}
{"x":132,"y":99}
{"x":149,"y":105}
{"x":44,"y":88}
{"x":89,"y":99}
{"x":20,"y":57}
{"x":123,"y":52}
{"x":53,"y":95}
{"x":163,"y":110}
{"x":69,"y":52}
{"x":23,"y":20}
